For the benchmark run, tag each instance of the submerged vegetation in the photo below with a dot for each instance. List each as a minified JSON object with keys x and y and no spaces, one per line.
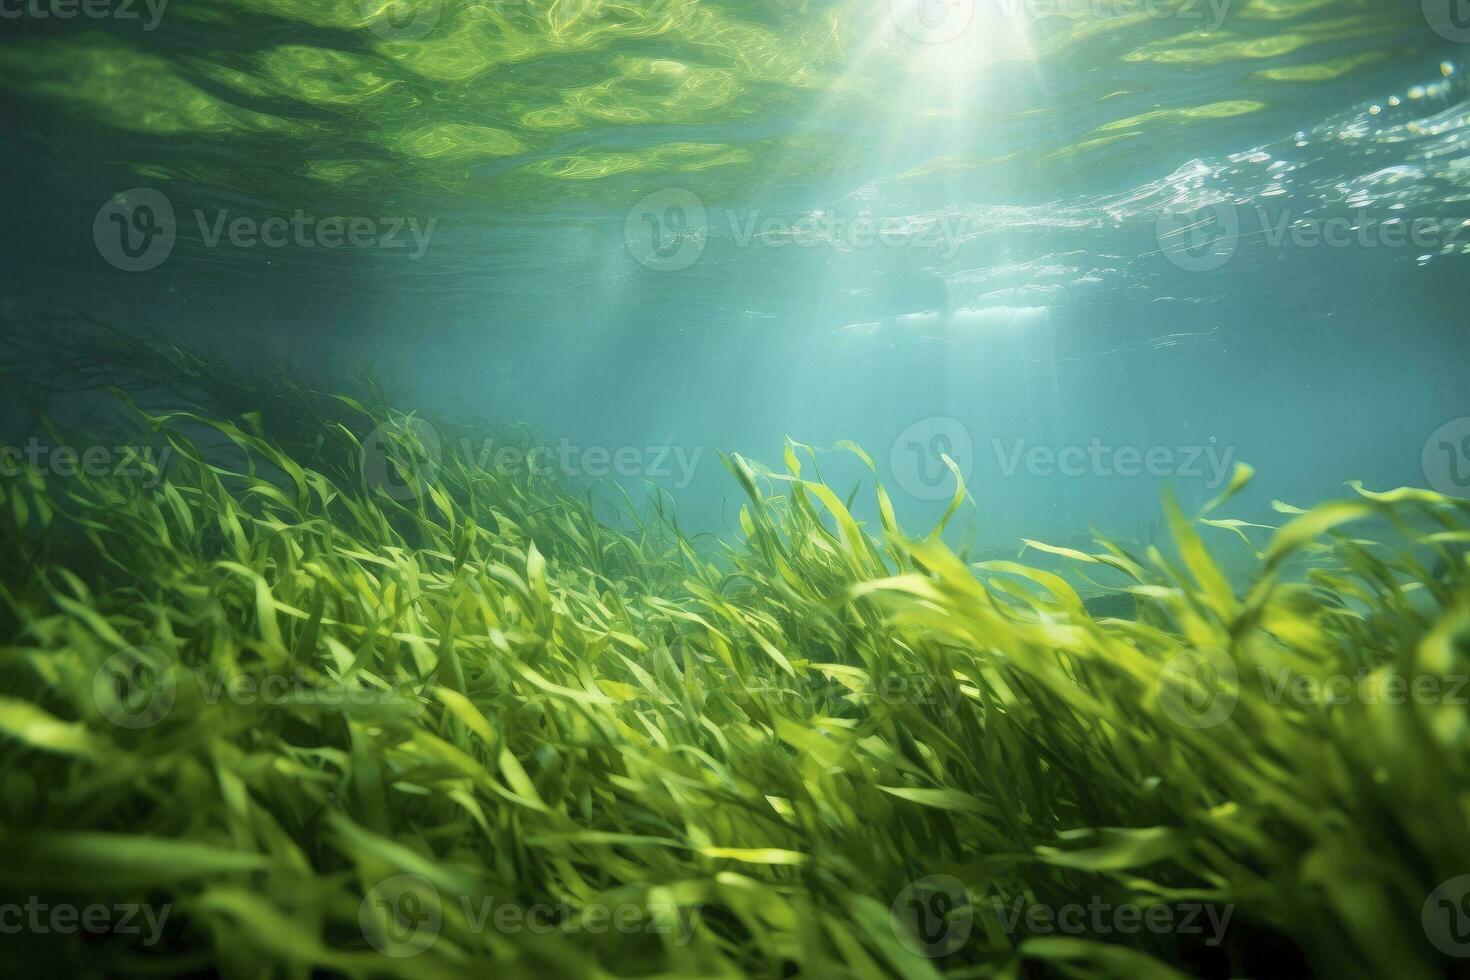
{"x":329,"y":700}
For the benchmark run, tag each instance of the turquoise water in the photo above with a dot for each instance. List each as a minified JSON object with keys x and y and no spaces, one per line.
{"x":1086,"y":249}
{"x":291,"y":669}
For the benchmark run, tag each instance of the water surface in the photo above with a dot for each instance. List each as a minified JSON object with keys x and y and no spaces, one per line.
{"x":1085,"y":248}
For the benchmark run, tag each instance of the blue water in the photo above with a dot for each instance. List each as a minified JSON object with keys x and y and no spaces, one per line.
{"x":1102,"y":268}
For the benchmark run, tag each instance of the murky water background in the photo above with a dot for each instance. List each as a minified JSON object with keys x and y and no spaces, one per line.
{"x":1085,"y":248}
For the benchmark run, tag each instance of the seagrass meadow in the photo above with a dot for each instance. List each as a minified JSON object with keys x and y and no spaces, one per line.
{"x":724,"y":489}
{"x":305,"y":696}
